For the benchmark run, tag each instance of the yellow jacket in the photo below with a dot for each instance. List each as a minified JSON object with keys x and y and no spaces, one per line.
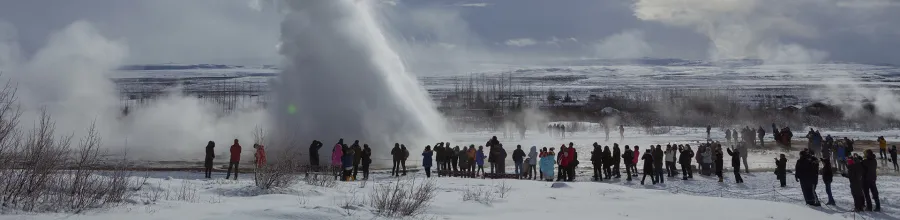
{"x":882,"y":143}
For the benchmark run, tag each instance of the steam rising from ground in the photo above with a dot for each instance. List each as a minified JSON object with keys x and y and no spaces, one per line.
{"x":344,"y":81}
{"x":69,"y":77}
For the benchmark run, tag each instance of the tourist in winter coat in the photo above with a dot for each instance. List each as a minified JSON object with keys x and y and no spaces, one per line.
{"x":235,"y":159}
{"x":396,"y":155}
{"x":518,"y":159}
{"x":626,"y":156}
{"x":471,"y":156}
{"x":500,"y":161}
{"x":728,"y":135}
{"x":597,"y":162}
{"x":854,"y":175}
{"x":439,"y":157}
{"x":840,"y":153}
{"x":760,"y":134}
{"x":827,"y":177}
{"x":573,"y":162}
{"x":806,"y":172}
{"x":347,"y":163}
{"x":882,"y":148}
{"x":208,"y":159}
{"x":463,"y":161}
{"x":547,"y":163}
{"x":260,"y":155}
{"x":781,"y":170}
{"x":426,"y":160}
{"x":561,"y":163}
{"x":686,"y":170}
{"x":314,"y":154}
{"x":403,"y":159}
{"x":357,"y":157}
{"x":492,"y":153}
{"x":744,"y":152}
{"x":648,"y":167}
{"x":532,"y":163}
{"x":671,"y":169}
{"x":719,"y":163}
{"x":479,"y":159}
{"x":336,"y":154}
{"x":658,"y":161}
{"x":366,"y":160}
{"x":736,"y":165}
{"x":607,"y":162}
{"x":893,"y":153}
{"x":634,"y":160}
{"x":617,"y":159}
{"x":870,"y":190}
{"x":454,"y":159}
{"x":707,"y":160}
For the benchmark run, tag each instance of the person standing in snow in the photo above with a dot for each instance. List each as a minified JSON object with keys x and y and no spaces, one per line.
{"x":518,"y":158}
{"x":314,"y":154}
{"x":561,"y":163}
{"x":760,"y":134}
{"x":804,"y":173}
{"x":573,"y":162}
{"x":781,"y":170}
{"x":479,"y":159}
{"x":707,"y":157}
{"x":597,"y":162}
{"x":471,"y":156}
{"x":744,"y":152}
{"x":454,"y":160}
{"x":882,"y":147}
{"x":671,"y":170}
{"x":658,"y":163}
{"x":736,"y":165}
{"x":634,"y":160}
{"x":426,"y":160}
{"x":870,"y":190}
{"x":463,"y":162}
{"x":336,"y":153}
{"x":606,"y":157}
{"x":627,"y":157}
{"x":532,"y":163}
{"x":617,"y":159}
{"x":854,"y":175}
{"x":648,"y":166}
{"x":208,"y":159}
{"x":357,"y":157}
{"x":501,"y":159}
{"x":893,"y":159}
{"x":396,"y":155}
{"x":366,"y":161}
{"x":708,"y":129}
{"x":827,"y":177}
{"x":347,"y":163}
{"x":686,"y":170}
{"x":260,"y":155}
{"x":439,"y":158}
{"x":235,"y":159}
{"x":719,"y":162}
{"x":547,"y":163}
{"x":728,"y":136}
{"x":621,"y":132}
{"x":403,"y":159}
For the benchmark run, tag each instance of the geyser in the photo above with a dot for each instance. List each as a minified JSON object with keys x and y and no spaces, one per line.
{"x":341,"y":79}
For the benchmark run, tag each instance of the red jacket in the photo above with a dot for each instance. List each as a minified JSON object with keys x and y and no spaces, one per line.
{"x":235,"y":152}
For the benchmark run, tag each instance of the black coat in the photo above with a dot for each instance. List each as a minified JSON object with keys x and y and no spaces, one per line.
{"x":210,"y":151}
{"x":628,"y":156}
{"x":658,"y":158}
{"x":781,"y":166}
{"x":827,"y":171}
{"x":606,"y":156}
{"x":735,"y":158}
{"x":439,"y":153}
{"x":367,"y":156}
{"x":314,"y":149}
{"x":616,"y":155}
{"x":686,"y":156}
{"x":597,"y":156}
{"x":719,"y":161}
{"x":518,"y":155}
{"x":648,"y":163}
{"x":396,"y":153}
{"x":869,"y":166}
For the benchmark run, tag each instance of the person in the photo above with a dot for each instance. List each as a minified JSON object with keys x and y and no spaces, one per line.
{"x":471,"y":159}
{"x":547,"y":163}
{"x":728,"y":136}
{"x":686,"y":170}
{"x":597,"y":162}
{"x":707,"y":156}
{"x":827,"y":177}
{"x":235,"y":159}
{"x":448,"y":155}
{"x":479,"y":159}
{"x":357,"y":158}
{"x":366,"y":161}
{"x":617,"y":159}
{"x":893,"y":159}
{"x":634,"y":161}
{"x":781,"y":170}
{"x":736,"y":164}
{"x":347,"y":163}
{"x":840,"y":153}
{"x":870,"y":190}
{"x":658,"y":163}
{"x":314,"y":154}
{"x":454,"y":160}
{"x":607,"y":162}
{"x":491,"y":152}
{"x":648,"y":167}
{"x":396,"y":155}
{"x":403,"y":159}
{"x":627,"y":158}
{"x":501,"y":159}
{"x":561,"y":163}
{"x":532,"y":163}
{"x":439,"y":157}
{"x":734,"y":135}
{"x":621,"y":132}
{"x":760,"y":134}
{"x":854,"y":175}
{"x":573,"y":162}
{"x":806,"y":173}
{"x":708,"y":129}
{"x":260,"y":155}
{"x":336,"y":154}
{"x":606,"y":130}
{"x":518,"y":158}
{"x":719,"y":162}
{"x":671,"y":170}
{"x":849,"y":148}
{"x":463,"y":161}
{"x":208,"y":160}
{"x":426,"y":160}
{"x":882,"y":147}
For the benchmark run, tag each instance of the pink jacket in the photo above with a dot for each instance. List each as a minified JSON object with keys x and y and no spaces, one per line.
{"x":637,"y":157}
{"x":336,"y":154}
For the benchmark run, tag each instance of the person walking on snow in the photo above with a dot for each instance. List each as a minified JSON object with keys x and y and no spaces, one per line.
{"x":621,"y":133}
{"x":208,"y":160}
{"x":426,"y":160}
{"x":760,"y":134}
{"x":235,"y":160}
{"x":518,"y":158}
{"x":736,"y":165}
{"x":634,"y":160}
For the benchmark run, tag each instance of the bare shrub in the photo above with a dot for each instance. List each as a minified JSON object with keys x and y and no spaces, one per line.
{"x":282,"y":171}
{"x":478,"y":194}
{"x":402,"y":198}
{"x":503,"y":189}
{"x":187,"y":192}
{"x":320,"y":180}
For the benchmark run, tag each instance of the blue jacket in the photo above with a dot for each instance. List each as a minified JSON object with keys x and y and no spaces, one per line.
{"x":547,"y":166}
{"x":479,"y":157}
{"x":347,"y":160}
{"x":841,"y":152}
{"x":426,"y":158}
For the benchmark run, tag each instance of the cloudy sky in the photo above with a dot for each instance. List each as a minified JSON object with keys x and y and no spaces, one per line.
{"x":247,"y":31}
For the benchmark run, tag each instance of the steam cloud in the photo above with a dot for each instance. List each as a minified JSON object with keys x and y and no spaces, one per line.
{"x":342,"y":80}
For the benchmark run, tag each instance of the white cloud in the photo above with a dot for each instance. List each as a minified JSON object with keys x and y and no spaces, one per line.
{"x":556,"y":41}
{"x":868,"y":3}
{"x":474,"y":4}
{"x":627,"y":44}
{"x":520,"y":42}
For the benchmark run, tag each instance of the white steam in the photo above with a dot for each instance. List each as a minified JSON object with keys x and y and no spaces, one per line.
{"x":342,"y":80}
{"x":69,"y":77}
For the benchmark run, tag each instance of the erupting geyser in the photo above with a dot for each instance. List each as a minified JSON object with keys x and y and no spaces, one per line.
{"x":341,"y":79}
